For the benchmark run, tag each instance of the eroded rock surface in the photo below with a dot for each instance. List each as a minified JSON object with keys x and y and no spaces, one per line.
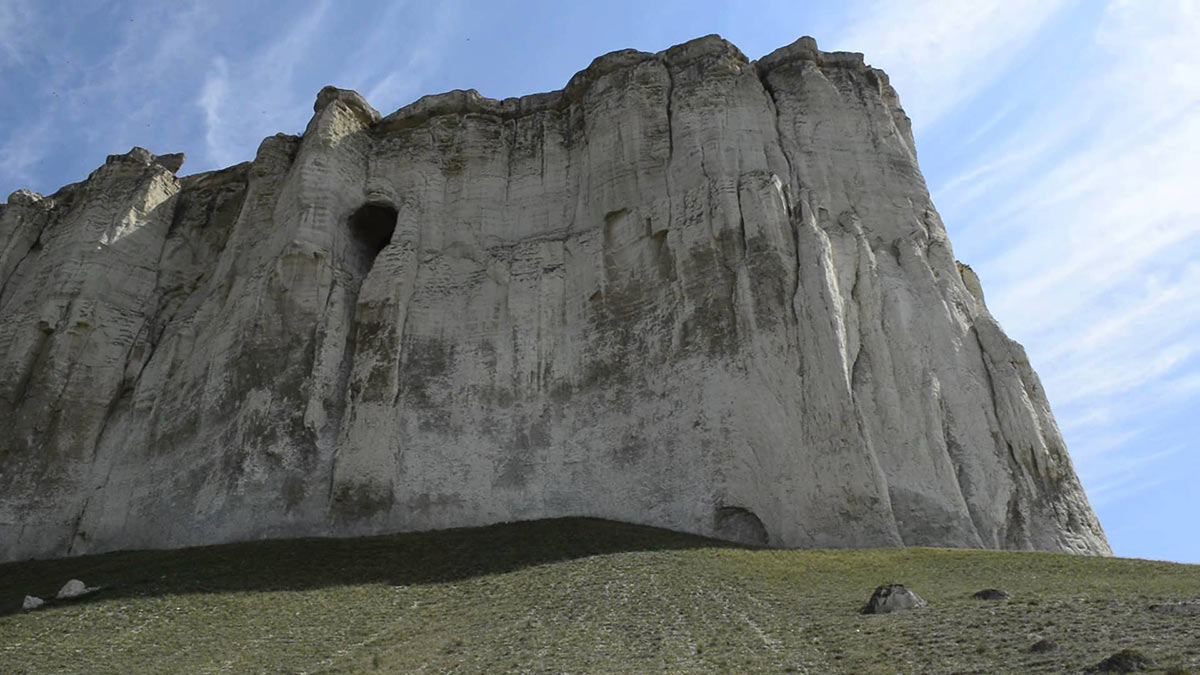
{"x":688,"y":290}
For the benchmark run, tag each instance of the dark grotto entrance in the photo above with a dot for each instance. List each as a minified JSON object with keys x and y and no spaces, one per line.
{"x":371,"y":228}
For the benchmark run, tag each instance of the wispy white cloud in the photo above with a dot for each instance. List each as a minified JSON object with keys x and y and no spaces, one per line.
{"x":1087,"y":239}
{"x":979,"y":179}
{"x":18,"y":32}
{"x":1082,"y":219}
{"x":1121,"y":488}
{"x":1127,"y":475}
{"x":258,"y":97}
{"x":389,"y":84}
{"x":940,"y":54}
{"x":24,"y":142}
{"x":260,"y":94}
{"x":213,"y":97}
{"x":211,"y":79}
{"x":25,"y":147}
{"x":121,"y":96}
{"x":1185,"y":386}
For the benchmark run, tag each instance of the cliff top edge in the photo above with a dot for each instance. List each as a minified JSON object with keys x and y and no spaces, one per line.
{"x":462,"y":101}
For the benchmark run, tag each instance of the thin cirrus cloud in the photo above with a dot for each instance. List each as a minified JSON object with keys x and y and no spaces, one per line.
{"x":17,"y":32}
{"x":257,"y":98}
{"x":24,"y":147}
{"x":209,"y":79}
{"x":1086,"y":237}
{"x":390,"y":77}
{"x":940,"y":54}
{"x":271,"y":89}
{"x":1077,"y":205}
{"x":97,"y":83}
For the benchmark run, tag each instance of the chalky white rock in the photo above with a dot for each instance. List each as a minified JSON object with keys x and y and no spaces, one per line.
{"x":73,"y":589}
{"x":688,"y":290}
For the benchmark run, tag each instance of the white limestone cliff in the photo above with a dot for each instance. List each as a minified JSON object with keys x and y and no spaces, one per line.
{"x":688,"y":290}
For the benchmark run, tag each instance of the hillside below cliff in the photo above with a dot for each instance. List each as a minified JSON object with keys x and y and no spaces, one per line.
{"x":587,"y":596}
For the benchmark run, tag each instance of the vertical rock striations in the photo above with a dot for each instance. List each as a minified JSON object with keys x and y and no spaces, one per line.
{"x":688,"y":290}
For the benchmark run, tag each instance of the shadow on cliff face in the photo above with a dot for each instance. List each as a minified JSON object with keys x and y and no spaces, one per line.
{"x":300,"y":564}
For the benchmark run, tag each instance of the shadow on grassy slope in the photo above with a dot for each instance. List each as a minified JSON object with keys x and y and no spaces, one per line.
{"x":299,"y":564}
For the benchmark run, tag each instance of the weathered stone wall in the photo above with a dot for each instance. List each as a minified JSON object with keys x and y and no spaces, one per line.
{"x":688,"y":290}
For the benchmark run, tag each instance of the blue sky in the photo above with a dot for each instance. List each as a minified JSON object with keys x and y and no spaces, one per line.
{"x":1060,"y":140}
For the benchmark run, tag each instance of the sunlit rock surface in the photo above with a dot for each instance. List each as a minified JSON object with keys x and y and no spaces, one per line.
{"x":688,"y":290}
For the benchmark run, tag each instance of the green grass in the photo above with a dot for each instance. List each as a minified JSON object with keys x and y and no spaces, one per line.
{"x":578,"y":595}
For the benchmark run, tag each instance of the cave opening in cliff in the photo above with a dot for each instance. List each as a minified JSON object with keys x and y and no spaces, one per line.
{"x":371,"y":228}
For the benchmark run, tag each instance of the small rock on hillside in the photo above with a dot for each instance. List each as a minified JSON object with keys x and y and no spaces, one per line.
{"x":1043,"y":646}
{"x":1124,"y":661}
{"x":893,"y":598}
{"x":73,"y":589}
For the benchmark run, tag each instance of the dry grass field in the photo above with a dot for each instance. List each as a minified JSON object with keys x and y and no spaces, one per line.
{"x":585,"y":596}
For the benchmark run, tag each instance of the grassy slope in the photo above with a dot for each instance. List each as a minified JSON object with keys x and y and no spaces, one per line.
{"x":580,"y":595}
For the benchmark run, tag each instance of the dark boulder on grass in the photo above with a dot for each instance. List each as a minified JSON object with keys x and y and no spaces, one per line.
{"x":892,"y":598}
{"x":991,"y":594}
{"x":1124,"y":661}
{"x":1043,"y":646}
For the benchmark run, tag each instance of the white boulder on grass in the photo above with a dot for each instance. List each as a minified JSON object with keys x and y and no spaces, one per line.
{"x":74,"y":588}
{"x":893,"y":598}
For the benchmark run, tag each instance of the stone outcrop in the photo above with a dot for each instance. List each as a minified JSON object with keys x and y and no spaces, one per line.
{"x":688,"y":290}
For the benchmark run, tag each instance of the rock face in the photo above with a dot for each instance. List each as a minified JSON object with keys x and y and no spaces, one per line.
{"x":688,"y":290}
